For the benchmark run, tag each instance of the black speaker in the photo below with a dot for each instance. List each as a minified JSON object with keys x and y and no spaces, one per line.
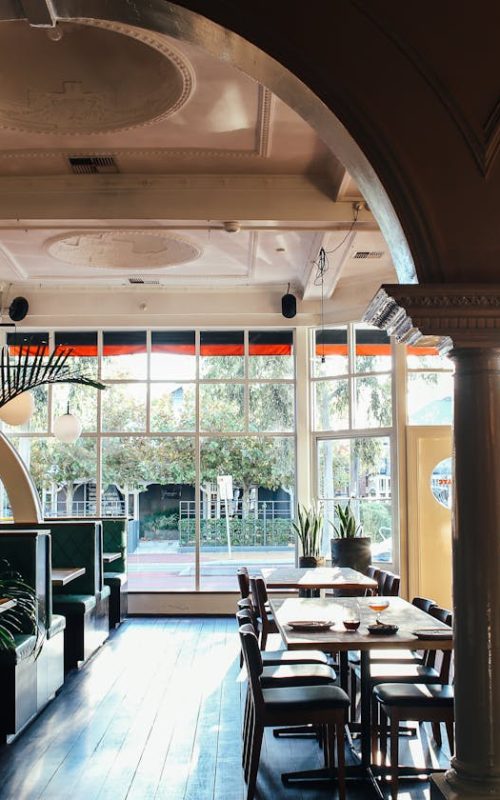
{"x":18,"y":309}
{"x":288,"y":305}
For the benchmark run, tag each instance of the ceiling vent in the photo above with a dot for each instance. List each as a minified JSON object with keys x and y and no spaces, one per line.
{"x":368,"y":254}
{"x":92,"y":165}
{"x":142,"y":282}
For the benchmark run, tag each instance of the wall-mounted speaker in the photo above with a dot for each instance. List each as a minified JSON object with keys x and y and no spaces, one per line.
{"x":288,"y":305}
{"x":18,"y":309}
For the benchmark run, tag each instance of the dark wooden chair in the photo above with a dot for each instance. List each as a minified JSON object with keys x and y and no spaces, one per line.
{"x":381,"y":579}
{"x":419,"y":702}
{"x":276,"y":657}
{"x":291,"y":706}
{"x":243,"y":582}
{"x":373,"y":572}
{"x":260,"y":599}
{"x":391,"y":585}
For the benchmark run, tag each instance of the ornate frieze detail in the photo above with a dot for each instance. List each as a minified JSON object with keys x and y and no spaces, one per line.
{"x":458,"y":315}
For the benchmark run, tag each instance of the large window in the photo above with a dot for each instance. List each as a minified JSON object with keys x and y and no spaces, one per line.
{"x":430,"y":387}
{"x":193,"y":440}
{"x":352,"y":407}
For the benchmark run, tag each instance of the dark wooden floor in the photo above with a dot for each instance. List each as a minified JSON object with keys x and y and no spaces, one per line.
{"x":157,"y":715}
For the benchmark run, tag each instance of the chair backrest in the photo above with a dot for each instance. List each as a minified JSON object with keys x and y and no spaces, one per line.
{"x":373,"y":573}
{"x":441,"y":659}
{"x":391,"y":585}
{"x":381,"y":579}
{"x":245,"y":602}
{"x":253,"y":661}
{"x":243,"y":582}
{"x":247,"y":617}
{"x":424,"y":604}
{"x":259,"y":595}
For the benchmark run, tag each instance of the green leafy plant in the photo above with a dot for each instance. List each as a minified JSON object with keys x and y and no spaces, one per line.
{"x":23,"y":617}
{"x":309,"y":529}
{"x":348,"y":526}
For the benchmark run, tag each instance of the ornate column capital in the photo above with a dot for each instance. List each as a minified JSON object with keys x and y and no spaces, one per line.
{"x":453,"y":315}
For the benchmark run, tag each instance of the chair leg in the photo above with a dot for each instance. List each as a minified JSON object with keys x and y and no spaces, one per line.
{"x":263,"y":638}
{"x":248,"y":741}
{"x":246,"y":725}
{"x":329,"y":748}
{"x":374,"y":728}
{"x":394,"y":755}
{"x":353,"y":692}
{"x":451,"y":736}
{"x":340,"y":729}
{"x":436,"y":732}
{"x":383,"y":736}
{"x":258,"y":732}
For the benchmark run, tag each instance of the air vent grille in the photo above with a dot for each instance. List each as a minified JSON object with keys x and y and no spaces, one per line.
{"x":368,"y":254}
{"x":92,"y":165}
{"x":143,"y":282}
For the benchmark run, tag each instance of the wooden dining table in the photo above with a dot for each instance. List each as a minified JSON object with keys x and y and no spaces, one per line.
{"x":337,"y":639}
{"x":318,"y":578}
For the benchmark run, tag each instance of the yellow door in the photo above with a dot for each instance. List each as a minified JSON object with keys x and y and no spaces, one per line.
{"x":429,"y":515}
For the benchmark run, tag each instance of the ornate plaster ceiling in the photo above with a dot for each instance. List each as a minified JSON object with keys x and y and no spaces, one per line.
{"x":123,"y":250}
{"x":91,"y":80}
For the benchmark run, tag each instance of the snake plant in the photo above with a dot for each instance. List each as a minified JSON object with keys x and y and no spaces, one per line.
{"x":309,"y":529}
{"x":348,"y":526}
{"x":23,"y":617}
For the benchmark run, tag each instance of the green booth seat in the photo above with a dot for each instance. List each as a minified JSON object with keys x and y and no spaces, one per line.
{"x":114,"y":531}
{"x":29,"y":678}
{"x":118,"y":601}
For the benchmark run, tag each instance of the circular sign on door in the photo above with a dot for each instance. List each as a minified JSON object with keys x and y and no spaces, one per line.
{"x":441,"y":482}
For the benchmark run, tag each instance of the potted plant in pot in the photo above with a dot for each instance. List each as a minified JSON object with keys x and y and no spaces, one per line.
{"x":23,"y":617}
{"x":349,"y":547}
{"x":309,"y":528}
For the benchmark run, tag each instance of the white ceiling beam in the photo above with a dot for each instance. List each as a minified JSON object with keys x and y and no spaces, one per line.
{"x":252,"y":198}
{"x":337,"y":253}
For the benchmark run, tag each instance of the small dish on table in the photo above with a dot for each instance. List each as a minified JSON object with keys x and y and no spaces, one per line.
{"x":309,"y":625}
{"x":382,"y":629}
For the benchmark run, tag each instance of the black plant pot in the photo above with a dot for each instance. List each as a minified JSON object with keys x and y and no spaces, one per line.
{"x":355,"y":553}
{"x":307,"y":562}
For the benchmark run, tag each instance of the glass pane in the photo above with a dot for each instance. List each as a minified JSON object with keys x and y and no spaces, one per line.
{"x":271,"y":354}
{"x":442,"y":482}
{"x":271,"y":407}
{"x":252,"y":526}
{"x":124,"y":407}
{"x":373,"y":406}
{"x":64,"y":474}
{"x":82,"y":402}
{"x":373,"y":350}
{"x":152,"y":480}
{"x":124,"y":355}
{"x":430,"y":398}
{"x":426,"y":357}
{"x":330,"y":352}
{"x":173,"y":355}
{"x":358,"y":470}
{"x":221,"y":407}
{"x":331,"y":405}
{"x":83,"y":346}
{"x":21,"y":345}
{"x":222,"y":354}
{"x":173,"y":406}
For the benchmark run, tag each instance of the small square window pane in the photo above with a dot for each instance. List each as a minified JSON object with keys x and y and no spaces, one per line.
{"x":222,"y":354}
{"x":330,"y":352}
{"x":221,"y":407}
{"x":271,"y":407}
{"x":83,"y":350}
{"x":124,"y":407}
{"x":373,"y":405}
{"x":81,"y":401}
{"x":373,"y":350}
{"x":430,"y":398}
{"x":172,"y":407}
{"x":39,"y":421}
{"x":270,"y":354}
{"x":124,"y":355}
{"x":331,"y":405}
{"x":426,"y":358}
{"x":173,"y":355}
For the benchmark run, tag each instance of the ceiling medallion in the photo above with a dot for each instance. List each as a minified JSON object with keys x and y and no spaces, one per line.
{"x":123,"y":250}
{"x":97,"y":78}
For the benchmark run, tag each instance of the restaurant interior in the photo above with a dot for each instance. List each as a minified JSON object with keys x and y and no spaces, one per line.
{"x":249,"y":400}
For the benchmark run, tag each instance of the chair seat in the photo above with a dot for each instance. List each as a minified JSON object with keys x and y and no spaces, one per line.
{"x":297,"y":675}
{"x":57,"y":624}
{"x":305,"y":698}
{"x":400,"y":673}
{"x":415,"y":695}
{"x":74,"y":603}
{"x":271,"y":657}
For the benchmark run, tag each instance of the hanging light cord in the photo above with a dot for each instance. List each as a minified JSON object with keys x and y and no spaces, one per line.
{"x":322,"y":267}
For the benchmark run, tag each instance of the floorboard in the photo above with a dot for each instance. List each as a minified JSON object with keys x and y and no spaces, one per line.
{"x":156,"y":715}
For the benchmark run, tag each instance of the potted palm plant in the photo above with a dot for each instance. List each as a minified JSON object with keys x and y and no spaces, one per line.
{"x":23,"y":616}
{"x":349,"y":547}
{"x":309,"y":528}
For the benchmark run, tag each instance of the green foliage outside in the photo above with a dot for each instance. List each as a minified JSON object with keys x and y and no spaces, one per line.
{"x":247,"y":532}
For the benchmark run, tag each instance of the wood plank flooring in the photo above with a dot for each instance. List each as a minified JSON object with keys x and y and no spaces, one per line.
{"x":156,"y":715}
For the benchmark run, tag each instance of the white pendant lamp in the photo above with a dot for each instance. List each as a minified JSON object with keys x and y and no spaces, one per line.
{"x":18,"y":410}
{"x":67,"y":427}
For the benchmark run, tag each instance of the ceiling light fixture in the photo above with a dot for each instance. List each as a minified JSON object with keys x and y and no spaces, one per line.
{"x":67,"y":427}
